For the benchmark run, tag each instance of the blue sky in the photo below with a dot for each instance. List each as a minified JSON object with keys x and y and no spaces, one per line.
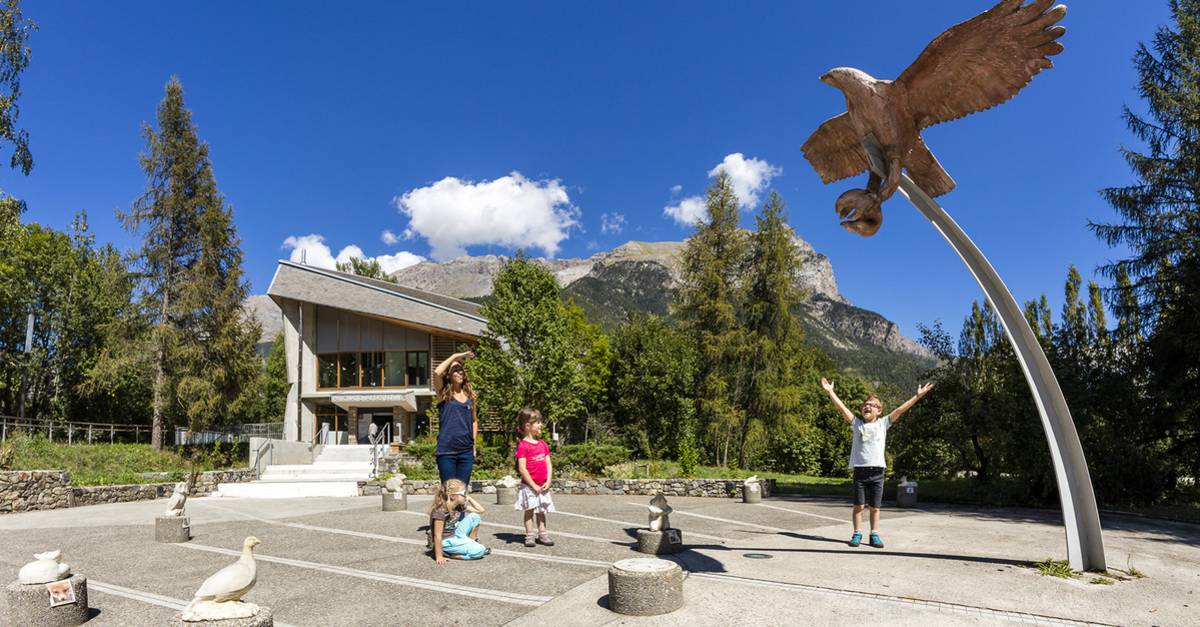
{"x":349,"y":121}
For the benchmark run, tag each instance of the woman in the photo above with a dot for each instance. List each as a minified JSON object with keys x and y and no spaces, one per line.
{"x":458,"y":423}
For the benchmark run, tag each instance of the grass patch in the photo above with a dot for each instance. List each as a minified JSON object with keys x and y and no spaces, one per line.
{"x":1103,"y":581}
{"x":106,"y":464}
{"x":1054,"y":568}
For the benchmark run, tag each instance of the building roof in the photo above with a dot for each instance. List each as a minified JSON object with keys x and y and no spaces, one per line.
{"x":374,"y":297}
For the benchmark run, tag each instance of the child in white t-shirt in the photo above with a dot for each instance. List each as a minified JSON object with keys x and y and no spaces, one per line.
{"x":866,"y":454}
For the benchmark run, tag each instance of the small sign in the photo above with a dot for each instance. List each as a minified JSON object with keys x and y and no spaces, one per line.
{"x":61,"y":592}
{"x":673,"y":536}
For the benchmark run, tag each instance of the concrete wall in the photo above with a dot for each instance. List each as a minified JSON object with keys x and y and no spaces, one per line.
{"x":280,"y":452}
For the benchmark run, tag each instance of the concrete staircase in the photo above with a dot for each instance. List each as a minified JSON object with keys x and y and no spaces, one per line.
{"x":335,"y":472}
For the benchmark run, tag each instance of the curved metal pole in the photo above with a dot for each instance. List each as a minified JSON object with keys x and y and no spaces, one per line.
{"x":1085,"y":546}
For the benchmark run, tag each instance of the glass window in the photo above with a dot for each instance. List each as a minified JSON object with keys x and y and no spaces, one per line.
{"x":348,"y":377}
{"x":418,"y":368}
{"x":331,"y":415}
{"x":372,"y":370}
{"x":393,"y":369}
{"x":327,"y":371}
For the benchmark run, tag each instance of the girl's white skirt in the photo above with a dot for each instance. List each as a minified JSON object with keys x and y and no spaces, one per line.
{"x":528,"y":499}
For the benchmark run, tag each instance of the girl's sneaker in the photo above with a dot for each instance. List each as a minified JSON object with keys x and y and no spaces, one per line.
{"x":856,"y":539}
{"x":529,"y":540}
{"x":875,"y":541}
{"x":544,"y":538}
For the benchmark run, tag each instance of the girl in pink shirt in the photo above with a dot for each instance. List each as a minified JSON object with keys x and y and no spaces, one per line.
{"x":533,"y":461}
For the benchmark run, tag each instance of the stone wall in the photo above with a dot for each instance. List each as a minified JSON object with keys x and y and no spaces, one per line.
{"x":28,"y":490}
{"x":721,"y":488}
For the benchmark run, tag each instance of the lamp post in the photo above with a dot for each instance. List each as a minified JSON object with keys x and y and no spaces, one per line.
{"x":28,"y":348}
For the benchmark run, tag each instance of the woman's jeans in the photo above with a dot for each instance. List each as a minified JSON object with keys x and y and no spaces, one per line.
{"x":456,"y":466}
{"x":460,"y":543}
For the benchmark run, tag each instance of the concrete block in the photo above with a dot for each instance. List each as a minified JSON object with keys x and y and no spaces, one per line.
{"x":751,"y":493}
{"x":395,"y":501}
{"x":506,"y":496}
{"x":645,"y":586}
{"x":659,"y":542}
{"x":906,"y":495}
{"x":29,"y":604}
{"x":262,"y":619}
{"x":172,"y":529}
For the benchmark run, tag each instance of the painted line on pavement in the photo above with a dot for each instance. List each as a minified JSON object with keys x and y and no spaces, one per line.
{"x":796,"y":511}
{"x":400,"y":580}
{"x":910,"y":602}
{"x":724,"y":520}
{"x":637,"y":526}
{"x":145,"y":597}
{"x":377,"y":536}
{"x":522,"y":530}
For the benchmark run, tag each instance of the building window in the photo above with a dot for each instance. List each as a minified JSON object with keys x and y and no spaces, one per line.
{"x":348,"y":370}
{"x":393,"y":370}
{"x":418,"y":368}
{"x":332,"y":415}
{"x":372,"y":370}
{"x":327,"y":371}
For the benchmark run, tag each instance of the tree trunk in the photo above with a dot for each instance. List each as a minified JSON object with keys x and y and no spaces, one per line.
{"x":160,"y":378}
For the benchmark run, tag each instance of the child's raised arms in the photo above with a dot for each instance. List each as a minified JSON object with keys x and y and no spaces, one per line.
{"x":922,"y":390}
{"x":827,"y":385}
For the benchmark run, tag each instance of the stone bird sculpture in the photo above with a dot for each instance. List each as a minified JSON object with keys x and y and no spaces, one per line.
{"x":219,"y":597}
{"x":975,"y":65}
{"x":45,"y":568}
{"x":178,"y":499}
{"x":660,"y":513}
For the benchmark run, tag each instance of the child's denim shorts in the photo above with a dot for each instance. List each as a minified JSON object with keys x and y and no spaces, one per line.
{"x":868,"y":485}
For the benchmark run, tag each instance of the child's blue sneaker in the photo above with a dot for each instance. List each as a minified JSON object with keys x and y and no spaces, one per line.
{"x":856,"y":539}
{"x":875,"y":541}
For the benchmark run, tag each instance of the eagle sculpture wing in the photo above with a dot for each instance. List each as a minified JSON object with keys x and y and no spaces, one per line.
{"x":983,"y":61}
{"x":835,"y":149}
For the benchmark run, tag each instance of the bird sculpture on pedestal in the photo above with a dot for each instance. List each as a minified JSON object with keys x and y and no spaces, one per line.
{"x":660,"y":513}
{"x":219,"y":597}
{"x":177,"y":501}
{"x":973,"y":66}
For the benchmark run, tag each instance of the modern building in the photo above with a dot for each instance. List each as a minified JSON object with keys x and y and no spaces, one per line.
{"x":361,"y":351}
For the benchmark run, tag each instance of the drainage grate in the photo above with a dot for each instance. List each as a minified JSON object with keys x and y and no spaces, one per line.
{"x":757,"y":556}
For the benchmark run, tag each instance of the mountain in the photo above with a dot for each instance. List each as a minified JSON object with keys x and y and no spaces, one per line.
{"x":639,"y":276}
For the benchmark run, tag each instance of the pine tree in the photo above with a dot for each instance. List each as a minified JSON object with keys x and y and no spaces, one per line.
{"x":776,"y":380}
{"x":192,"y":286}
{"x":710,"y":266}
{"x":1160,"y":225}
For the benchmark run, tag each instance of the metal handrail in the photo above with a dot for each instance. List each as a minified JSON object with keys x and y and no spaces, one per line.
{"x":381,"y":438}
{"x":258,"y":454}
{"x":321,"y":436}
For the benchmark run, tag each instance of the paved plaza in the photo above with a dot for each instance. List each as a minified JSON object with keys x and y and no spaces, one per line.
{"x":342,"y":561}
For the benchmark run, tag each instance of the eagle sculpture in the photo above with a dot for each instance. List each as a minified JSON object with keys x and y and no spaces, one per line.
{"x":973,"y":66}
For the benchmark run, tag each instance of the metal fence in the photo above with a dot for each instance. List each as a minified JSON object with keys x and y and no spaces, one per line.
{"x":100,"y":432}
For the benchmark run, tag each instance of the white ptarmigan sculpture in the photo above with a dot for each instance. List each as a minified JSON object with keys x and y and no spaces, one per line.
{"x":395,"y":485}
{"x":751,"y":483}
{"x":219,"y":597}
{"x":508,"y":481}
{"x":178,"y":498}
{"x":660,"y":513}
{"x":44,"y":569}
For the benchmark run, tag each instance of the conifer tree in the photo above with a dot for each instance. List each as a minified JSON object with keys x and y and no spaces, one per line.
{"x":774,"y":365}
{"x":710,"y":266}
{"x":192,"y":287}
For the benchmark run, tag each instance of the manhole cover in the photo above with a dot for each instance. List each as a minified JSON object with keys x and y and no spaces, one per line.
{"x":757,"y":556}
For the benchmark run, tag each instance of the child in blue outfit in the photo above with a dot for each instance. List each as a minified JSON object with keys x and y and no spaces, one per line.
{"x":454,"y":524}
{"x":866,"y":454}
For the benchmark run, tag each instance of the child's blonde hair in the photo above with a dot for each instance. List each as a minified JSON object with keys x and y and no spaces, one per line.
{"x":872,"y":397}
{"x":526,"y":416}
{"x":443,"y":493}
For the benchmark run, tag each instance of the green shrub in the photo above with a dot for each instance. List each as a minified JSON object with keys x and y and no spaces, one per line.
{"x":689,"y":455}
{"x":589,"y":457}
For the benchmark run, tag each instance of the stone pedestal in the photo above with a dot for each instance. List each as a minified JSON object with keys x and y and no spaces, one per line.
{"x":262,"y":619}
{"x":506,"y":496}
{"x":395,"y":501}
{"x":659,"y":542}
{"x":751,"y":493}
{"x":645,"y":586}
{"x":172,"y":529}
{"x":29,"y":604}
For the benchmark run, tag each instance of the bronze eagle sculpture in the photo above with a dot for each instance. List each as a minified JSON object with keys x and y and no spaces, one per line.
{"x":975,"y":65}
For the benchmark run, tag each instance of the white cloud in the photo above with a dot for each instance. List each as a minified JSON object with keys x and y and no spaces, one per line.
{"x":312,"y":250}
{"x":749,"y":176}
{"x":675,"y":189}
{"x":612,"y":223}
{"x":388,"y":237}
{"x":511,"y":211}
{"x":688,"y":211}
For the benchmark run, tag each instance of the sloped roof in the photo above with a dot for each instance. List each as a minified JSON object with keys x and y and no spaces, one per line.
{"x":374,"y":297}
